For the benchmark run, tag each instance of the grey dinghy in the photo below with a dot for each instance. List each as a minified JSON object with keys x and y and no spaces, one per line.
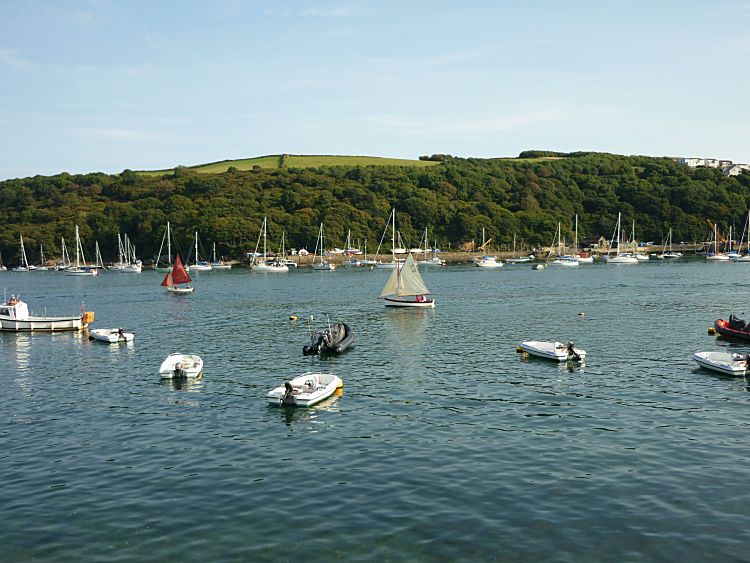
{"x":333,"y":341}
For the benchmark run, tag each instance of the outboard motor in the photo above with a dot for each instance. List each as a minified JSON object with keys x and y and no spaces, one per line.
{"x":178,"y":371}
{"x":288,"y":398}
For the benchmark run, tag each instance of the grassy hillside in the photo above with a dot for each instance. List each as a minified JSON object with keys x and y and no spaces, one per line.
{"x":296,"y":161}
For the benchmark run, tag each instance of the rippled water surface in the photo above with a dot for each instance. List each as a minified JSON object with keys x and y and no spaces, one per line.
{"x":445,"y":445}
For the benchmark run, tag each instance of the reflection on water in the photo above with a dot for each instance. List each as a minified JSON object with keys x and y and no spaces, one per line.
{"x":308,"y":417}
{"x":183,"y":383}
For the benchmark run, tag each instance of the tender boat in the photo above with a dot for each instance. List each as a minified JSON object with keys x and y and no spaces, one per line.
{"x":305,"y":390}
{"x":723,"y":362}
{"x":111,"y":335}
{"x":553,"y":350}
{"x":734,"y":327}
{"x":181,"y":365}
{"x":15,"y":317}
{"x":332,"y":341}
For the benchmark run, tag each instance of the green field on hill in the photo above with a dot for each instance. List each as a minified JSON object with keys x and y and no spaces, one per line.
{"x":297,"y":161}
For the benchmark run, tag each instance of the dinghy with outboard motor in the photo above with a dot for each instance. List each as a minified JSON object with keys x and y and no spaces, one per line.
{"x":334,"y":340}
{"x":111,"y":335}
{"x":723,"y":362}
{"x":734,"y":327}
{"x":305,"y":390}
{"x":181,"y":365}
{"x":556,"y":351}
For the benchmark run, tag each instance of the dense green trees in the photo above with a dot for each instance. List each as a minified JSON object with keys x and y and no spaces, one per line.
{"x":455,"y":201}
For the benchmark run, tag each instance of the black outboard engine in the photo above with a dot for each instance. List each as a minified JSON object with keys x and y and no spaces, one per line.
{"x":316,"y":342}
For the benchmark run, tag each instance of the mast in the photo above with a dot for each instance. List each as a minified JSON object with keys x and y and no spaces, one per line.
{"x":169,"y":245}
{"x":575,"y":242}
{"x":393,"y":236}
{"x":196,"y":247}
{"x":24,"y":260}
{"x":265,"y":228}
{"x":78,"y":245}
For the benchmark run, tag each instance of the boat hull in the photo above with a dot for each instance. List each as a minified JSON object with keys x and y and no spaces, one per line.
{"x":722,"y":362}
{"x":41,"y":324}
{"x":180,"y":290}
{"x":177,"y":366}
{"x":340,"y":337}
{"x":309,"y":389}
{"x":722,"y":327}
{"x":556,"y":351}
{"x":111,"y":335}
{"x":428,"y":304}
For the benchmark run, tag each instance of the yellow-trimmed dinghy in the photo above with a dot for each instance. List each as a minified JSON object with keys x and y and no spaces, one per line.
{"x":305,"y":390}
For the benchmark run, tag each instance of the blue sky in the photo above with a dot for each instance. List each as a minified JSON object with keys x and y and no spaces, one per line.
{"x":104,"y":85}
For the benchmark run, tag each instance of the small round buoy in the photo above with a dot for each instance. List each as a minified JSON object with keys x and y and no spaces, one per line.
{"x":519,"y":349}
{"x":711,"y":331}
{"x":292,"y":317}
{"x":581,"y":314}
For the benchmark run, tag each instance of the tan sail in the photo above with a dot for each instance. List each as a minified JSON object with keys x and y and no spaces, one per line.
{"x":405,"y":280}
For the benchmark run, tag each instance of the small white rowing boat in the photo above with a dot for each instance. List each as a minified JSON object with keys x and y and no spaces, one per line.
{"x":111,"y":335}
{"x":181,"y":365}
{"x":723,"y":362}
{"x":305,"y":390}
{"x":552,"y":350}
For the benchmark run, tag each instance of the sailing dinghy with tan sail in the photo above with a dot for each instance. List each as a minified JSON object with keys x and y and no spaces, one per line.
{"x":405,"y":287}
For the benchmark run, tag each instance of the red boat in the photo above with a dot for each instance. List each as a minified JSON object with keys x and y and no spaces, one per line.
{"x":734,"y":327}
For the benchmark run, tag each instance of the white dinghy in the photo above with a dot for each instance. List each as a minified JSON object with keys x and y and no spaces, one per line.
{"x":305,"y":390}
{"x":553,"y":350}
{"x":181,"y":365}
{"x":111,"y":335}
{"x":723,"y":362}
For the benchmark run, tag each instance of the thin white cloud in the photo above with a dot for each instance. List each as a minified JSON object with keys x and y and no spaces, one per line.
{"x":83,"y":17}
{"x":12,"y":57}
{"x":338,"y":12}
{"x":110,"y":133}
{"x":431,"y":61}
{"x":497,"y":124}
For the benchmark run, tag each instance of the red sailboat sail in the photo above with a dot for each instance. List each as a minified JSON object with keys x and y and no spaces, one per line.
{"x":177,"y":275}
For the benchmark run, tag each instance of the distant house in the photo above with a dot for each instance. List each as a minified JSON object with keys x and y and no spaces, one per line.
{"x":594,"y":244}
{"x":692,"y":161}
{"x":735,"y":169}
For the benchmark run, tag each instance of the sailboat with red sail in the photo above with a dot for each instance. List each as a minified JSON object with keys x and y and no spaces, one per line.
{"x":177,"y":276}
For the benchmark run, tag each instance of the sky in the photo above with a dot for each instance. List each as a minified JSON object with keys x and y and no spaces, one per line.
{"x":107,"y":85}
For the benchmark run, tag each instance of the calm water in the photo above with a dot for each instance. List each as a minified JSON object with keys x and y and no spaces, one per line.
{"x":445,"y":445}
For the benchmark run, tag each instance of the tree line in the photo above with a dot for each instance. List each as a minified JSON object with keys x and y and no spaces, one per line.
{"x":454,"y":201}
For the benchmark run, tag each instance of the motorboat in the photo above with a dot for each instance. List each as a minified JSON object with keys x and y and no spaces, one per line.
{"x":111,"y":335}
{"x":305,"y":390}
{"x":553,"y":350}
{"x":334,"y":340}
{"x":488,"y":262}
{"x":15,"y":317}
{"x":723,"y":362}
{"x":181,"y":365}
{"x":733,"y":327}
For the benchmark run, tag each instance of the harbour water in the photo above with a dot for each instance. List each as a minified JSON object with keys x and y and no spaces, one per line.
{"x":445,"y":445}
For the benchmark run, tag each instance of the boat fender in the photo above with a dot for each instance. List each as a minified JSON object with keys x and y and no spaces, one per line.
{"x":712,"y":331}
{"x":519,"y":350}
{"x":340,"y":385}
{"x":292,"y":317}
